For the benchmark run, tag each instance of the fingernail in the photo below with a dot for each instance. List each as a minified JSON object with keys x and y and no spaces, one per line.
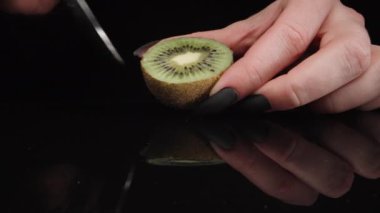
{"x":254,"y":104}
{"x":217,"y":102}
{"x":139,"y":52}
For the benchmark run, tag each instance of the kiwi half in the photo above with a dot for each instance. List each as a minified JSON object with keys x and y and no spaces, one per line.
{"x":180,"y":72}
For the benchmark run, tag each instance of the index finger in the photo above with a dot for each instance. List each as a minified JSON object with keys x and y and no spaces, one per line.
{"x":278,"y":47}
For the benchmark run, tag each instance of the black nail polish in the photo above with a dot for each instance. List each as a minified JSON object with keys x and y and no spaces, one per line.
{"x":139,"y":52}
{"x":254,"y":104}
{"x":218,"y":102}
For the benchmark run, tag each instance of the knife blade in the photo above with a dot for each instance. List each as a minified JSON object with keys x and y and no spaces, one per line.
{"x":84,"y":12}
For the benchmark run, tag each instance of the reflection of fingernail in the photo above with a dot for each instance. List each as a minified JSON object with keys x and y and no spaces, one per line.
{"x":218,"y":102}
{"x":219,"y":136}
{"x":257,"y":133}
{"x":254,"y":104}
{"x":139,"y":52}
{"x":314,"y":130}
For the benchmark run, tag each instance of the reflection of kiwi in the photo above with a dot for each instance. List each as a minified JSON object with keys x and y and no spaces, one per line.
{"x":177,"y":144}
{"x":181,"y":72}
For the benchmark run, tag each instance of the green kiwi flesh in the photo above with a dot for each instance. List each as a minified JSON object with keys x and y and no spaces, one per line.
{"x":180,"y":72}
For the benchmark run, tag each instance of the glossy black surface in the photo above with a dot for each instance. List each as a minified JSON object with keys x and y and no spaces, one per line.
{"x":77,"y":158}
{"x":78,"y":127}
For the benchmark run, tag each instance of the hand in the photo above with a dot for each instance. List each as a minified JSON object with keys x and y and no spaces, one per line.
{"x":29,"y":6}
{"x":337,"y":76}
{"x":362,"y":93}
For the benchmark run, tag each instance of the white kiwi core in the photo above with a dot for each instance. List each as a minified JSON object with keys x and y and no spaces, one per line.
{"x":186,"y":58}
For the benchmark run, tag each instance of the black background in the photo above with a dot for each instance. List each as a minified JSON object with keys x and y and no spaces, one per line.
{"x":51,"y":58}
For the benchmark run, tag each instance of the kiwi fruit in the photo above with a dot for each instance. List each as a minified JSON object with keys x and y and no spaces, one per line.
{"x":180,"y":72}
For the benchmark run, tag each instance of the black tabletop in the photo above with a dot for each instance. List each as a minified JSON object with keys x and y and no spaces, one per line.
{"x":135,"y":157}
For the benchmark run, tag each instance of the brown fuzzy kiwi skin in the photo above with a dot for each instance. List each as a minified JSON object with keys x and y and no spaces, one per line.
{"x":179,"y":95}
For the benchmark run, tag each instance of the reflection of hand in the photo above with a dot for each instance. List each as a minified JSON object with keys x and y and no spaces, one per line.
{"x":289,"y":167}
{"x":357,"y":143}
{"x":271,"y":41}
{"x":29,"y":6}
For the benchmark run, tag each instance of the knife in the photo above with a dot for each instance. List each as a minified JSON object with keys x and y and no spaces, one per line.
{"x":85,"y":15}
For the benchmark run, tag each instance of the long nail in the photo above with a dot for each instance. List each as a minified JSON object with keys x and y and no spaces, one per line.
{"x":139,"y":52}
{"x":218,"y":102}
{"x":254,"y":104}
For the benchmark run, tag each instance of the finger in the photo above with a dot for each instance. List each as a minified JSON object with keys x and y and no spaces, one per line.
{"x":279,"y":46}
{"x":240,"y":35}
{"x":356,"y":93}
{"x":267,"y":175}
{"x":323,"y":171}
{"x":30,"y":6}
{"x":344,"y":56}
{"x":359,"y":151}
{"x":371,"y":105}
